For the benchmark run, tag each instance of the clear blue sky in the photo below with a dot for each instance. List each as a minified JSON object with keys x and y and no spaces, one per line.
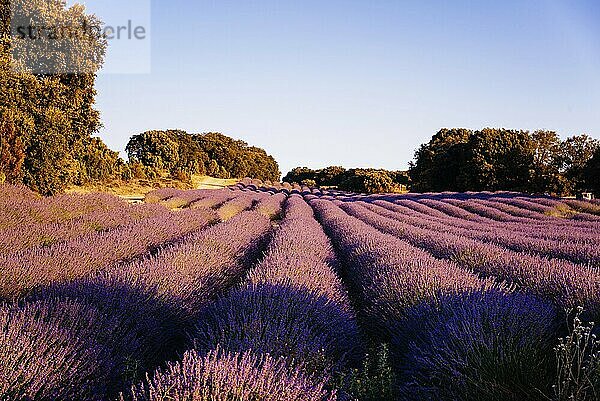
{"x":359,"y":83}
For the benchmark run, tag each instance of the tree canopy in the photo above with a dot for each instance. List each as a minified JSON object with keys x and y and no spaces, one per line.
{"x":352,"y":180}
{"x":493,"y":159}
{"x":213,"y":154}
{"x":48,"y":116}
{"x":591,"y":173}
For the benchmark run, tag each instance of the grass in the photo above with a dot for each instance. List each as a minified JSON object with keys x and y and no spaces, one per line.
{"x":138,"y":188}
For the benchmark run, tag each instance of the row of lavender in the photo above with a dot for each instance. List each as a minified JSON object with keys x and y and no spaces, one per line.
{"x":453,"y":335}
{"x":85,"y":316}
{"x":285,"y":332}
{"x":542,"y":254}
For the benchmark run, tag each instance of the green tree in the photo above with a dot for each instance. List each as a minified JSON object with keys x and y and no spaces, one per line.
{"x":213,"y":169}
{"x":155,"y":149}
{"x":367,"y":181}
{"x":546,"y":174}
{"x":576,"y":151}
{"x":299,"y":174}
{"x":98,"y":162}
{"x":12,"y":152}
{"x":331,"y":176}
{"x":591,"y":173}
{"x":52,"y":108}
{"x":438,"y":165}
{"x":498,"y":159}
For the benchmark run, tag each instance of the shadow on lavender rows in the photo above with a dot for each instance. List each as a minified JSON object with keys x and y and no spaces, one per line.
{"x":147,"y":329}
{"x":308,"y":330}
{"x":488,"y":346}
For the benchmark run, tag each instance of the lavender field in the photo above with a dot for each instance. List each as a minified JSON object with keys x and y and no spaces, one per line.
{"x":277,"y":292}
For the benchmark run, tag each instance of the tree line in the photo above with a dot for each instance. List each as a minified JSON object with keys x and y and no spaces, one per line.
{"x":351,"y":180}
{"x":494,"y":159}
{"x":214,"y":154}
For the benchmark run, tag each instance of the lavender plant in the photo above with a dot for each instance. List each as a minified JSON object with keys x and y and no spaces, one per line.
{"x":49,"y":351}
{"x":477,"y":346}
{"x":565,"y":283}
{"x":226,"y":376}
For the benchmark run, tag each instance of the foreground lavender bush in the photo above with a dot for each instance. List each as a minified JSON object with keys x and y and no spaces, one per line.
{"x":292,"y":305}
{"x":135,"y":311}
{"x":206,"y":263}
{"x":229,"y":377}
{"x":57,"y":350}
{"x":388,"y":275}
{"x":312,"y":333}
{"x":478,"y":346}
{"x":565,"y":283}
{"x":300,"y":255}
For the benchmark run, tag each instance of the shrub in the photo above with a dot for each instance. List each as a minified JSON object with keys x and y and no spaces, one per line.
{"x":48,"y":351}
{"x":374,"y":380}
{"x":229,"y":377}
{"x":146,"y":327}
{"x":478,"y":346}
{"x":281,"y":321}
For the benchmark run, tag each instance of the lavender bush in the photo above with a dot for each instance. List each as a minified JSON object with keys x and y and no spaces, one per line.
{"x":388,"y":275}
{"x":565,"y":283}
{"x":48,"y":352}
{"x":229,"y":377}
{"x":84,"y":256}
{"x":312,"y":333}
{"x":478,"y":346}
{"x":206,"y":263}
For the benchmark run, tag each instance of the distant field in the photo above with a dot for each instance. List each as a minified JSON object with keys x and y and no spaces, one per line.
{"x":138,"y":188}
{"x":281,"y":292}
{"x":205,"y":182}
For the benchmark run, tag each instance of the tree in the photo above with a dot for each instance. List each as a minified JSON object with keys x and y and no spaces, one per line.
{"x":438,"y":164}
{"x":494,"y":159}
{"x":353,"y":180}
{"x":498,"y":159}
{"x":367,"y":181}
{"x":370,"y":181}
{"x":308,"y":183}
{"x":49,"y":90}
{"x":546,"y":174}
{"x":12,"y":152}
{"x":591,"y":173}
{"x":299,"y":174}
{"x":98,"y":162}
{"x":48,"y":165}
{"x":155,"y":149}
{"x":331,"y":176}
{"x":576,"y":151}
{"x":182,"y":154}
